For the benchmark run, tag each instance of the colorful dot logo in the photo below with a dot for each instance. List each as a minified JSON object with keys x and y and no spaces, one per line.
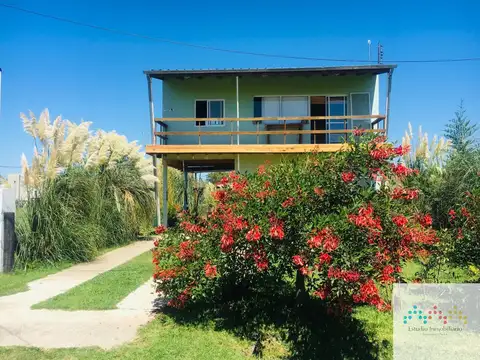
{"x":435,"y":315}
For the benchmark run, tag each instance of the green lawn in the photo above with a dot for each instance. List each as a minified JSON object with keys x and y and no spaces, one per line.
{"x":106,"y":290}
{"x":160,"y":339}
{"x":17,"y":281}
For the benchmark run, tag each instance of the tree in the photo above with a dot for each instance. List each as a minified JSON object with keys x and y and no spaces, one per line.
{"x":215,"y":177}
{"x":460,"y":131}
{"x":340,"y":225}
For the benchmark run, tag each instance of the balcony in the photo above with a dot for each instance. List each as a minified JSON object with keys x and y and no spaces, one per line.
{"x":289,"y":132}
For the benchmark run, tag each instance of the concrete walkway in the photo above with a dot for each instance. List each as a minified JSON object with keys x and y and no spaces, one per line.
{"x":20,"y":325}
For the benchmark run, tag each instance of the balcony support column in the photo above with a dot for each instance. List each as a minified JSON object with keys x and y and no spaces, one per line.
{"x":387,"y":101}
{"x":165,"y":191}
{"x":154,"y":158}
{"x":238,"y":122}
{"x":185,"y":187}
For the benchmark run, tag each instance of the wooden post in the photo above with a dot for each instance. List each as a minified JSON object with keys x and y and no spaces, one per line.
{"x":284,"y":131}
{"x":165,"y":192}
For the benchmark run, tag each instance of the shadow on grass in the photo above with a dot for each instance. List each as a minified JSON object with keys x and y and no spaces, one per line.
{"x":307,"y":329}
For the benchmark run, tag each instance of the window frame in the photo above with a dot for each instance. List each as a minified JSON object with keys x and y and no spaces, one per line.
{"x":208,"y":111}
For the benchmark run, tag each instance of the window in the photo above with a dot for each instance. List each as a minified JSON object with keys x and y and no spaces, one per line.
{"x":280,"y":106}
{"x":337,"y":106}
{"x":360,"y":105}
{"x":209,"y":109}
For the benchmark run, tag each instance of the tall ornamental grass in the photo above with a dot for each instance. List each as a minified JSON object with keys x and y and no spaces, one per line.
{"x":86,"y":191}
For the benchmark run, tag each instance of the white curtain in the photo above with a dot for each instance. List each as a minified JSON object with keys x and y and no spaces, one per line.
{"x":276,"y":106}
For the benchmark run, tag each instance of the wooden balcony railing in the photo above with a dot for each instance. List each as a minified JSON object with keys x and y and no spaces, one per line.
{"x":375,"y":122}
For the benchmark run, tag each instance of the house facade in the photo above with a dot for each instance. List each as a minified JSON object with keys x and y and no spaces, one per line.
{"x":217,"y":120}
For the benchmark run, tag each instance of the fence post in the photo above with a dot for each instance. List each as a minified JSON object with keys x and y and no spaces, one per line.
{"x":8,"y":239}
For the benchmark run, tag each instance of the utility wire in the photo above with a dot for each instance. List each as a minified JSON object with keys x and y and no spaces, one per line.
{"x":206,"y":47}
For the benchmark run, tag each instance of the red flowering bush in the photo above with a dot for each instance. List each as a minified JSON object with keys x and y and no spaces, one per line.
{"x":337,"y":226}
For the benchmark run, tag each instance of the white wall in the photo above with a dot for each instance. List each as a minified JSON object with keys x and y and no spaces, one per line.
{"x":16,"y":182}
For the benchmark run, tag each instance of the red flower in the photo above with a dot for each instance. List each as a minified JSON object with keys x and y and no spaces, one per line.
{"x":406,"y":194}
{"x":326,"y":237}
{"x":298,"y":260}
{"x":179,"y":302}
{"x":365,"y":218}
{"x":350,"y":276}
{"x":276,"y":229}
{"x":348,"y":177}
{"x":400,"y":220}
{"x":223,"y":181}
{"x":426,"y":220}
{"x":226,"y":243}
{"x":289,"y":202}
{"x":319,"y":191}
{"x":254,"y":234}
{"x":210,"y":270}
{"x":381,"y":153}
{"x":187,"y":250}
{"x":239,"y":187}
{"x":358,"y":132}
{"x":368,"y":293}
{"x":160,"y":229}
{"x":452,"y":214}
{"x":401,"y":170}
{"x":233,"y":176}
{"x":261,"y":260}
{"x":322,"y":293}
{"x":155,"y":243}
{"x":400,"y":151}
{"x":189,"y":227}
{"x":460,"y":234}
{"x":465,"y":212}
{"x":421,"y":236}
{"x":386,"y":274}
{"x":334,"y":273}
{"x":220,"y":195}
{"x":325,"y":258}
{"x":261,"y":169}
{"x":239,"y":223}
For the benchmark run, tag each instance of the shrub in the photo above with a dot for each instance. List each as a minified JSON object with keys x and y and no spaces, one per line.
{"x":85,"y":192}
{"x":336,"y":227}
{"x":463,"y":246}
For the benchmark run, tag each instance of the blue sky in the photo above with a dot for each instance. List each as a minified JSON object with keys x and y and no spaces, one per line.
{"x":97,"y":76}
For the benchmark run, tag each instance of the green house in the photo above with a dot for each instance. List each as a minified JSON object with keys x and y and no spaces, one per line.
{"x":226,"y":119}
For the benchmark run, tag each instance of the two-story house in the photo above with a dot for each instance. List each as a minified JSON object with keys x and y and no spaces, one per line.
{"x":235,"y":119}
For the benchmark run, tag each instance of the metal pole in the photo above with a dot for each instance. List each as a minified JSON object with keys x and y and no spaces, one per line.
{"x":185,"y":187}
{"x":154,"y":157}
{"x":0,"y":92}
{"x":165,"y":191}
{"x":387,"y":101}
{"x":238,"y":122}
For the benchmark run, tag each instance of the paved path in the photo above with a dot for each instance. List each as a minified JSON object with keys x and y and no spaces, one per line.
{"x":20,"y":325}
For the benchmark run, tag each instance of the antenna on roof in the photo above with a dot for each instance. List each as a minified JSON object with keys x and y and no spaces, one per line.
{"x":380,"y":53}
{"x":369,"y":50}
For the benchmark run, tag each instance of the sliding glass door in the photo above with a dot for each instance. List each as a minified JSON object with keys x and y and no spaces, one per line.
{"x":337,"y":106}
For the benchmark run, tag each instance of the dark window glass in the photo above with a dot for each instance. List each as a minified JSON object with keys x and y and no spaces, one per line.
{"x":201,"y":112}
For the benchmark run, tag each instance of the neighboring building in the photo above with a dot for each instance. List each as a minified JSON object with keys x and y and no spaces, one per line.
{"x":218,"y":120}
{"x":16,"y":183}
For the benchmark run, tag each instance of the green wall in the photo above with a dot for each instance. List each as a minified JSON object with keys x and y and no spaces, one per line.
{"x":179,"y":100}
